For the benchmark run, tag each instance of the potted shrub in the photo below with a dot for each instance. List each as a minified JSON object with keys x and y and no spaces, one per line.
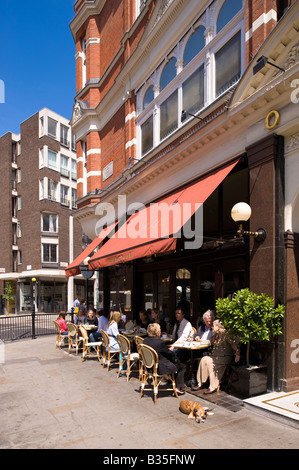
{"x":250,"y":317}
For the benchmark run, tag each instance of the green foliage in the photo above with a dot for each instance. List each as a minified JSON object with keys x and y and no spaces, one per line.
{"x":250,"y":317}
{"x":8,"y":290}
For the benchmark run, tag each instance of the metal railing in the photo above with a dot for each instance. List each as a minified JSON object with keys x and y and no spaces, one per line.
{"x":14,"y":327}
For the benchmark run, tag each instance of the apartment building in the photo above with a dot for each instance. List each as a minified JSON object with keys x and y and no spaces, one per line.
{"x":38,"y":192}
{"x":181,"y":97}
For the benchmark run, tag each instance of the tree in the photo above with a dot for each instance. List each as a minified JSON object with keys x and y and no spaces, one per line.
{"x":250,"y":317}
{"x":8,"y":291}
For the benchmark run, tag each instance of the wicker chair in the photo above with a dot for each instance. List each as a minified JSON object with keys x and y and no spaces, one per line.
{"x":59,"y":336}
{"x":74,"y":339}
{"x":126,"y":356}
{"x":107,"y":353}
{"x":138,"y":340}
{"x":87,"y":345}
{"x":149,"y":358}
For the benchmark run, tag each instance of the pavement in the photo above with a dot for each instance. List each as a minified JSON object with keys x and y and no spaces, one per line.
{"x":50,"y":399}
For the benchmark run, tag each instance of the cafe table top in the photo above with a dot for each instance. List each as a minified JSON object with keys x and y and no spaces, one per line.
{"x":192,"y":345}
{"x":132,"y":333}
{"x":90,"y":327}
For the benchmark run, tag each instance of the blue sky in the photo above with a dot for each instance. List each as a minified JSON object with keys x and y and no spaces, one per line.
{"x":37,"y":60}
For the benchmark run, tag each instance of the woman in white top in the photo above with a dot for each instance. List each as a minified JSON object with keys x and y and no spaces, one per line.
{"x":112,"y":330}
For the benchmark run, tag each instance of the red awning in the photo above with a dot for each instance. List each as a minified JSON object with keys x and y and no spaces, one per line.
{"x":74,"y":268}
{"x":155,"y":228}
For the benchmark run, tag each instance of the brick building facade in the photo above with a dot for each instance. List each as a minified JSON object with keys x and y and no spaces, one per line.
{"x":38,"y":194}
{"x":168,"y":94}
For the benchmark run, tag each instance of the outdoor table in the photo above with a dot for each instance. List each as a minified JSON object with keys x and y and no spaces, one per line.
{"x":90,"y":328}
{"x":131,"y":333}
{"x":192,"y":346}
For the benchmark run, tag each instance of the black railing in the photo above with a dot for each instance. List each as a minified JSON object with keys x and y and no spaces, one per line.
{"x":14,"y":327}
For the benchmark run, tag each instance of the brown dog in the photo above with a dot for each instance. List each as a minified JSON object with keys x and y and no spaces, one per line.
{"x":194,"y":410}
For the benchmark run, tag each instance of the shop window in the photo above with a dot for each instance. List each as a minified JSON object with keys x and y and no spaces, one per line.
{"x":229,"y":9}
{"x":168,"y":74}
{"x":228,"y":64}
{"x":195,"y":44}
{"x":183,"y":289}
{"x":193,"y":91}
{"x":148,"y":289}
{"x":206,"y":288}
{"x":163,"y":293}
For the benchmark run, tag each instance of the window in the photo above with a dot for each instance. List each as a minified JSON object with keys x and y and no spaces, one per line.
{"x":74,"y":170}
{"x":64,"y":135}
{"x":49,"y":253}
{"x":52,"y":160}
{"x":41,"y":158}
{"x":19,"y":176}
{"x":195,"y":44}
{"x":147,"y":140}
{"x":74,"y":198}
{"x":73,"y":142}
{"x":140,"y":4}
{"x":193,"y":91}
{"x":41,"y":189}
{"x":52,"y":190}
{"x":148,"y":97}
{"x":64,"y":191}
{"x":169,"y":115}
{"x":19,"y":257}
{"x":49,"y":223}
{"x":202,"y":66}
{"x":228,"y":64}
{"x":41,"y":126}
{"x":229,"y":9}
{"x":52,"y":127}
{"x":169,"y":73}
{"x":19,"y":231}
{"x":19,"y":203}
{"x":64,"y":166}
{"x":83,"y":46}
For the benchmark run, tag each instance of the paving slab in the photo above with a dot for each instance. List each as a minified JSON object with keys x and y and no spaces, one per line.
{"x":50,"y":399}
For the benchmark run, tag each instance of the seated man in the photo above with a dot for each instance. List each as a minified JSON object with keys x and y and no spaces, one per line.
{"x":168,"y":361}
{"x":182,"y":331}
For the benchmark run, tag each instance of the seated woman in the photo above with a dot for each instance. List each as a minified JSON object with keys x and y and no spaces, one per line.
{"x":62,"y":323}
{"x":213,"y":367}
{"x":143,"y":320}
{"x":112,"y":330}
{"x":168,"y":361}
{"x":156,"y":315}
{"x":91,"y":318}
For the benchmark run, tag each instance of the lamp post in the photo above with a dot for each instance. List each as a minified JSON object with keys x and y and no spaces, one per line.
{"x":240,"y":213}
{"x":33,"y":307}
{"x":87,"y":274}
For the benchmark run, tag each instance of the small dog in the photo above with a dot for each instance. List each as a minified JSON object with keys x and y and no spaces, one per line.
{"x":194,"y":410}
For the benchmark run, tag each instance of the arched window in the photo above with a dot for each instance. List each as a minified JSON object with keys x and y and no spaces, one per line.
{"x":195,"y":44}
{"x":168,"y":74}
{"x":229,"y":9}
{"x":148,"y":97}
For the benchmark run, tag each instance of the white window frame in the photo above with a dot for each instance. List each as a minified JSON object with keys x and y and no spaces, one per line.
{"x":42,"y":222}
{"x":42,"y":251}
{"x":206,"y":57}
